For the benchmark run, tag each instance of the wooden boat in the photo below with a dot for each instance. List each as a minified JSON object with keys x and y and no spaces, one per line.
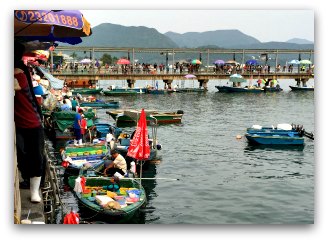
{"x":119,"y":209}
{"x":75,"y":158}
{"x":229,"y":89}
{"x":272,"y":89}
{"x":191,"y":89}
{"x":283,"y":134}
{"x":101,"y":104}
{"x":119,"y":93}
{"x":135,"y":89}
{"x":129,"y":117}
{"x":86,"y":91}
{"x":85,"y":152}
{"x":296,"y":88}
{"x":248,"y":89}
{"x":59,"y":125}
{"x":156,"y":91}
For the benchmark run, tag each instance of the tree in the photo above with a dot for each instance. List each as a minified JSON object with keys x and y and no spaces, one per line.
{"x":106,"y":59}
{"x":115,"y":59}
{"x":73,"y":55}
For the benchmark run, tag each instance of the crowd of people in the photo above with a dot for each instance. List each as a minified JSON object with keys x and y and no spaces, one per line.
{"x":180,"y":68}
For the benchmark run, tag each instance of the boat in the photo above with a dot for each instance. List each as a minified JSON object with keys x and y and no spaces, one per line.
{"x":135,"y":89}
{"x":275,"y":139}
{"x":87,"y":155}
{"x":272,"y":89}
{"x":191,"y":89}
{"x":59,"y":125}
{"x":129,"y":117}
{"x":296,"y":88}
{"x":86,"y":91}
{"x":101,"y":104}
{"x":103,"y":129}
{"x":280,"y":128}
{"x":156,"y":91}
{"x":119,"y":92}
{"x":109,"y":200}
{"x":229,"y":89}
{"x":283,"y":134}
{"x":122,"y":144}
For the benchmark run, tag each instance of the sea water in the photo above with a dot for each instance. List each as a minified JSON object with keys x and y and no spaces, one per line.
{"x":224,"y":180}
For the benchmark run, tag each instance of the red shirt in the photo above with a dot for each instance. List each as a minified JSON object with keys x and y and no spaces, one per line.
{"x":84,"y":126}
{"x":25,"y":110}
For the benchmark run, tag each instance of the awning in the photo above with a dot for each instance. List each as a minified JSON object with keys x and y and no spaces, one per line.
{"x":54,"y":82}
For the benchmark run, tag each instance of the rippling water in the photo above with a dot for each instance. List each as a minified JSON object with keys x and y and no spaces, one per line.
{"x":224,"y":180}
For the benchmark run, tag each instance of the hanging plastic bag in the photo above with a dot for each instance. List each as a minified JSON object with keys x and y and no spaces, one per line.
{"x":50,"y":103}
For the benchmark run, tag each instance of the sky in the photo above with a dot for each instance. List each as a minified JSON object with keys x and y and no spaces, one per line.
{"x":264,"y":25}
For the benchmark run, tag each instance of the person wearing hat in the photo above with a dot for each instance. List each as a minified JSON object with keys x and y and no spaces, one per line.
{"x":118,"y":165}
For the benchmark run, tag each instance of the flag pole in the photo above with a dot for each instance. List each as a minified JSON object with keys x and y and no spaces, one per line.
{"x":140,"y":173}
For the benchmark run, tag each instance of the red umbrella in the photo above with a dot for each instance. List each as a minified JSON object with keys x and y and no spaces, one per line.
{"x":72,"y":218}
{"x":139,"y":145}
{"x":123,"y":62}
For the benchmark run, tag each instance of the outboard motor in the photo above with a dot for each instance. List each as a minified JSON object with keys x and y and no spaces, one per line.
{"x":180,"y":112}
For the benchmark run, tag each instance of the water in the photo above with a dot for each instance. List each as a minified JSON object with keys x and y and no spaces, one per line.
{"x":224,"y":180}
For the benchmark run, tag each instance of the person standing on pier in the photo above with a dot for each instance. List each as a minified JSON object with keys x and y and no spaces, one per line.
{"x":28,"y":123}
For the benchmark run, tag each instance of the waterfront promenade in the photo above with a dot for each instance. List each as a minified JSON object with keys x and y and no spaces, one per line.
{"x":169,"y":67}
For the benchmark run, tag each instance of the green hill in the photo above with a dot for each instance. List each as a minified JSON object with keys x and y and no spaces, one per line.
{"x":114,"y":35}
{"x":221,"y":38}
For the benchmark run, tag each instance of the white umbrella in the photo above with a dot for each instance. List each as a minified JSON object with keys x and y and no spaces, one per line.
{"x":85,"y":61}
{"x":236,"y":78}
{"x":294,"y":62}
{"x":305,"y":62}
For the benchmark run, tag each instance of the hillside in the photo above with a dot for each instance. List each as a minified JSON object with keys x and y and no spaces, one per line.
{"x":113,"y":35}
{"x":299,"y":41}
{"x":221,"y":38}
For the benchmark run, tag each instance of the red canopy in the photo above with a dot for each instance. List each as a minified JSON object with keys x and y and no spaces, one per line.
{"x":139,"y":145}
{"x":123,"y":62}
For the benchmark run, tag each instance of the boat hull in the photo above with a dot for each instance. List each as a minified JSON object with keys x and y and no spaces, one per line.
{"x":162,"y":118}
{"x":120,"y":93}
{"x":274,"y":139}
{"x":191,"y":90}
{"x":87,"y":91}
{"x":101,"y":104}
{"x":228,"y":89}
{"x":294,"y":88}
{"x":156,"y":91}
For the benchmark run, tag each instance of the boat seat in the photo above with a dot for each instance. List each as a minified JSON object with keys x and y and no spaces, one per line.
{"x":255,"y":126}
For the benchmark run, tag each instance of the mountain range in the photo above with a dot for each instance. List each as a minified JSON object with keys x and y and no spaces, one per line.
{"x":114,"y":35}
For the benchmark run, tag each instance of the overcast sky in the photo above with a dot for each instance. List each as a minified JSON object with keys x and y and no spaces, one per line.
{"x":265,"y":25}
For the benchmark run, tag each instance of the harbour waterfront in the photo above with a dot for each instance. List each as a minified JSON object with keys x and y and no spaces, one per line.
{"x":223,"y":180}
